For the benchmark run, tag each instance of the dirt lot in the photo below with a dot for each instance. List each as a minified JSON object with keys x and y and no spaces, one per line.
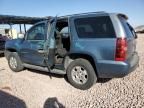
{"x":33,"y":89}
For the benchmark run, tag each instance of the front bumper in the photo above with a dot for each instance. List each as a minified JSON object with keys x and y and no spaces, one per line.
{"x":116,"y":69}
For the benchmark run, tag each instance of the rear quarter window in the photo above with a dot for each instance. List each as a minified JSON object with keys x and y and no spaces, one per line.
{"x":127,"y":27}
{"x":94,"y":27}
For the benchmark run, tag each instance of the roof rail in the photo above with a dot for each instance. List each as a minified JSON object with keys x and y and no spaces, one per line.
{"x":90,"y":13}
{"x":99,"y":12}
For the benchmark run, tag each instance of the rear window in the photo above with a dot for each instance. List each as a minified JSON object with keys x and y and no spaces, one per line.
{"x":127,"y":27}
{"x":94,"y":27}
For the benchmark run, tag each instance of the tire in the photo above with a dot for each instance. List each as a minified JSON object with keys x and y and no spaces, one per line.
{"x":14,"y":58}
{"x":85,"y":67}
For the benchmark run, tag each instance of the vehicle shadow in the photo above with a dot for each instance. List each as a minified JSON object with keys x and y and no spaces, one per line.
{"x":1,"y":55}
{"x":53,"y":103}
{"x":99,"y":80}
{"x":103,"y":80}
{"x":9,"y":101}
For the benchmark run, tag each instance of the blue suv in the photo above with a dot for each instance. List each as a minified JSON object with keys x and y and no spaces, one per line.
{"x":82,"y":46}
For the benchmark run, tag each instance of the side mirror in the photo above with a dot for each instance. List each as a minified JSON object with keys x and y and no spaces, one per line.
{"x":21,"y":35}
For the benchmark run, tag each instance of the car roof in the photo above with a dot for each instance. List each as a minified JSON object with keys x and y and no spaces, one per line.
{"x":80,"y":14}
{"x":93,"y":13}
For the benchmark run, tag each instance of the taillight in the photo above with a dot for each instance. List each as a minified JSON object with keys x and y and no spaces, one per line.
{"x":121,"y":49}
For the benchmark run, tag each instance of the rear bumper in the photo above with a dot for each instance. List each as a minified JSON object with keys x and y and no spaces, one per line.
{"x":115,"y":69}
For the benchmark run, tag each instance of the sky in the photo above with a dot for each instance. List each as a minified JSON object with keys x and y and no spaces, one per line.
{"x":134,"y":9}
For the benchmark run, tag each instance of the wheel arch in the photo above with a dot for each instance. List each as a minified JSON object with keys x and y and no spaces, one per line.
{"x":70,"y":57}
{"x":8,"y":51}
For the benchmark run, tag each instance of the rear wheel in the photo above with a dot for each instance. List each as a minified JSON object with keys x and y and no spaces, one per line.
{"x":81,"y":74}
{"x":14,"y":62}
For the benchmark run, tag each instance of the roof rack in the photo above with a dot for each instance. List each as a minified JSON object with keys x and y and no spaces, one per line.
{"x":90,"y":13}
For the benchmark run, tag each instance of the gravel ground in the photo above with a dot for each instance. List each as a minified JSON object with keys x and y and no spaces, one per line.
{"x":33,"y":89}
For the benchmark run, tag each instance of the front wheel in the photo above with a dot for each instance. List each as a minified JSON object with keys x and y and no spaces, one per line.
{"x":81,"y":74}
{"x":14,"y":62}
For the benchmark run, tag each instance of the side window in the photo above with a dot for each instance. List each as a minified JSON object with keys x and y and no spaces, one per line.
{"x":127,"y":28}
{"x":94,"y":27}
{"x":37,"y":32}
{"x":132,"y":30}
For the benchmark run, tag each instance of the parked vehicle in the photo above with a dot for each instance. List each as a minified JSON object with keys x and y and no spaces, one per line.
{"x":139,"y":29}
{"x":83,"y":46}
{"x":3,"y":39}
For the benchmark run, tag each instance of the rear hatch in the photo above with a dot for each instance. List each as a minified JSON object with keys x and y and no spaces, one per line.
{"x":130,"y":37}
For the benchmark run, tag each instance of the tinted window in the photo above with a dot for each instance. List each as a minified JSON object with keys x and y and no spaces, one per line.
{"x":128,"y":29}
{"x":37,"y":32}
{"x":95,"y":27}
